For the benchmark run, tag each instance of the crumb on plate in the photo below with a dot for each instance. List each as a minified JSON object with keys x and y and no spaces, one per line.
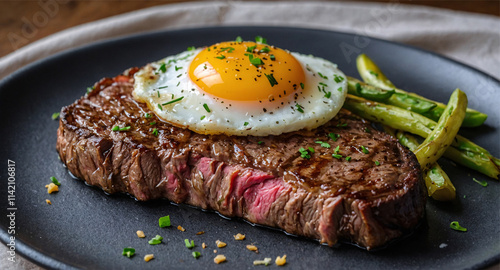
{"x":140,"y":234}
{"x":239,"y":236}
{"x":219,"y":259}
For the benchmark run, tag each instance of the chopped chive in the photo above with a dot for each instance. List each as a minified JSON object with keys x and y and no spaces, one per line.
{"x":206,"y":107}
{"x":147,"y":115}
{"x":155,"y":240}
{"x":304,"y":153}
{"x":333,"y":136}
{"x":164,"y":221}
{"x":239,"y":39}
{"x":271,"y":79}
{"x":158,"y":92}
{"x":310,"y":149}
{"x":117,"y":128}
{"x":265,"y":50}
{"x":302,"y":85}
{"x":55,"y":115}
{"x":260,"y":39}
{"x":129,"y":252}
{"x":337,"y":78}
{"x":177,"y":68}
{"x":251,"y":48}
{"x":348,"y":158}
{"x":455,"y":226}
{"x":374,"y":73}
{"x":256,"y":61}
{"x":260,"y":142}
{"x":90,"y":89}
{"x":323,"y":144}
{"x":337,"y":156}
{"x":272,"y":57}
{"x":377,"y":163}
{"x":220,"y":57}
{"x":328,"y":95}
{"x":337,"y":149}
{"x":482,"y":183}
{"x":339,"y":89}
{"x":155,"y":132}
{"x":152,"y":123}
{"x":202,"y":117}
{"x":196,"y":254}
{"x":54,"y":180}
{"x":189,"y":244}
{"x":299,"y":108}
{"x":192,"y":48}
{"x":178,"y":83}
{"x":228,"y":49}
{"x":342,"y":125}
{"x":179,"y":75}
{"x":245,"y":124}
{"x":322,"y":76}
{"x":364,"y":150}
{"x":159,"y":107}
{"x":173,"y":101}
{"x":163,"y":68}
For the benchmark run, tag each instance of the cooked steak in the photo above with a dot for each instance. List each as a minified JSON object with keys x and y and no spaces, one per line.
{"x":360,"y":185}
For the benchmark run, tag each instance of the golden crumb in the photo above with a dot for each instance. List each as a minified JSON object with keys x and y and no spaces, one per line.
{"x":48,"y":201}
{"x":52,"y":188}
{"x":239,"y":236}
{"x":215,"y":250}
{"x":281,"y":260}
{"x":149,"y":257}
{"x":200,"y":232}
{"x":219,"y":258}
{"x":220,"y":244}
{"x":203,"y":245}
{"x":253,"y":248}
{"x":180,"y":228}
{"x":140,"y":234}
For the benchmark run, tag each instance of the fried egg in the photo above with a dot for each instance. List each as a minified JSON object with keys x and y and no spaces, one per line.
{"x":242,"y":88}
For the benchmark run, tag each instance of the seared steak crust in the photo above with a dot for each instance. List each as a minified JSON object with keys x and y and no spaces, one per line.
{"x":261,"y":179}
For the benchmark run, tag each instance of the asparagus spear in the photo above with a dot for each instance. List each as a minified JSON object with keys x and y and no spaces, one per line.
{"x":442,"y":136}
{"x":372,"y":74}
{"x":439,"y":185}
{"x":462,"y":151}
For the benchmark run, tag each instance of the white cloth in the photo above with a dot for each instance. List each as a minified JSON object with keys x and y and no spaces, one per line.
{"x":470,"y":38}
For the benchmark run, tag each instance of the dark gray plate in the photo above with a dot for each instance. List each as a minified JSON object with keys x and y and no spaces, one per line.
{"x":86,"y":228}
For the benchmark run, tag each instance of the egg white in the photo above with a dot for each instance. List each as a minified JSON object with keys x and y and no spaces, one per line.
{"x":325,"y":90}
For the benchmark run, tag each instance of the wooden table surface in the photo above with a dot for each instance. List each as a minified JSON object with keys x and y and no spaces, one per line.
{"x":25,"y":21}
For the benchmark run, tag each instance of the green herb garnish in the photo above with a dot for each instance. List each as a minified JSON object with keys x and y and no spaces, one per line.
{"x":271,"y":79}
{"x":322,"y":76}
{"x":147,"y":115}
{"x":373,"y":73}
{"x":265,"y":50}
{"x":299,"y":108}
{"x":339,"y":89}
{"x":256,"y":61}
{"x":251,"y":48}
{"x":337,"y":78}
{"x":260,"y":39}
{"x":304,"y":153}
{"x":54,"y":180}
{"x":302,"y":85}
{"x":364,"y":150}
{"x":196,"y":254}
{"x":155,"y":240}
{"x":260,"y":142}
{"x":377,"y":163}
{"x":220,"y":57}
{"x":159,"y":107}
{"x":455,"y":226}
{"x":228,"y":49}
{"x":164,"y":221}
{"x":333,"y":136}
{"x":173,"y":101}
{"x":348,"y":158}
{"x":323,"y":144}
{"x":177,"y":68}
{"x":202,"y":117}
{"x":155,"y":132}
{"x":482,"y":183}
{"x":117,"y":128}
{"x":129,"y":252}
{"x":337,"y":156}
{"x":239,"y":39}
{"x":245,"y":124}
{"x":272,"y":57}
{"x":192,"y":48}
{"x":206,"y":107}
{"x":163,"y":68}
{"x":189,"y":244}
{"x":55,"y":115}
{"x":328,"y":94}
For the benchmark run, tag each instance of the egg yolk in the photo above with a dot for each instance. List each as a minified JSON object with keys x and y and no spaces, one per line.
{"x":246,"y":71}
